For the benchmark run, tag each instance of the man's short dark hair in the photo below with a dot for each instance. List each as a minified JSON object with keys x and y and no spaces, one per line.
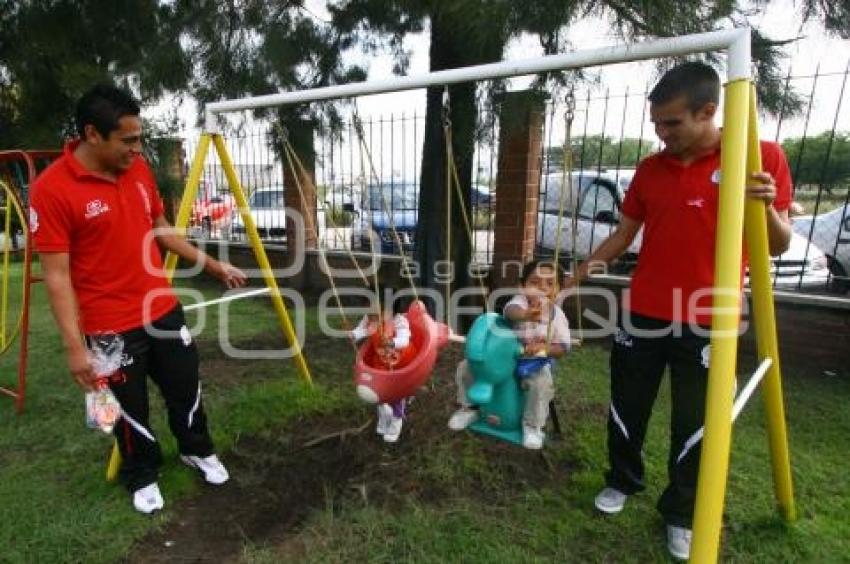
{"x":696,"y":81}
{"x":529,"y":268}
{"x":102,"y":107}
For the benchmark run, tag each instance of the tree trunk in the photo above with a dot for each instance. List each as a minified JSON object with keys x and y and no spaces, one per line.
{"x":446,"y":51}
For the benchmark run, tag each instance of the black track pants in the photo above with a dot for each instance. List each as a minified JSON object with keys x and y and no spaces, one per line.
{"x":637,"y":366}
{"x":169,"y":356}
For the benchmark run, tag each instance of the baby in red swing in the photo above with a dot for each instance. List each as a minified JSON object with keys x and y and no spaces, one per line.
{"x":390,"y":340}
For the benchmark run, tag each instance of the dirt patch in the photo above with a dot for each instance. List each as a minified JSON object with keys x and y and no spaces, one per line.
{"x":333,"y":461}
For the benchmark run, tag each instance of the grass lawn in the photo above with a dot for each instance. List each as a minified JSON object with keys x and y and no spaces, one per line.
{"x":302,"y":492}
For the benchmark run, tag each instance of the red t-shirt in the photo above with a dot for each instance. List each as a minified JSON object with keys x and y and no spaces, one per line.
{"x":677,"y":204}
{"x":106,"y":228}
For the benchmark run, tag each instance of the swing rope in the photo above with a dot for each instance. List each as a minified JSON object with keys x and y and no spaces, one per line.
{"x":292,"y":159}
{"x":293,"y":155}
{"x":358,"y":126}
{"x":364,"y":192}
{"x":452,"y":178}
{"x":567,"y":182}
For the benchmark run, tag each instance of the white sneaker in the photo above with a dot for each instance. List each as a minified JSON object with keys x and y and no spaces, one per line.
{"x":532,"y":437}
{"x":385,"y":415}
{"x":211,"y":467}
{"x":393,"y":429}
{"x":679,"y":542}
{"x":463,"y":418}
{"x":148,"y":499}
{"x":610,"y":501}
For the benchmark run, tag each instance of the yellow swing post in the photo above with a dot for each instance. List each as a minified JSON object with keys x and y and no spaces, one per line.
{"x":182,"y":221}
{"x":714,"y":462}
{"x":260,"y":254}
{"x":190,"y":192}
{"x":755,"y":230}
{"x":741,"y":156}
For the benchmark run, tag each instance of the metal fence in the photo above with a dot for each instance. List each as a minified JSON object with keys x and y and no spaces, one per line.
{"x":610,"y":132}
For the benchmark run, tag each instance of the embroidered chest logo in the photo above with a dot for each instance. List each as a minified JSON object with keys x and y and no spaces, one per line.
{"x":95,"y":208}
{"x":696,"y":202}
{"x":144,"y":194}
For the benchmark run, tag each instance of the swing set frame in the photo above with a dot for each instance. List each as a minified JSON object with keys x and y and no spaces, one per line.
{"x":740,"y":156}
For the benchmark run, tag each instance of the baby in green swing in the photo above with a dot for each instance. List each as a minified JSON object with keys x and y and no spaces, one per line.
{"x":543,"y":330}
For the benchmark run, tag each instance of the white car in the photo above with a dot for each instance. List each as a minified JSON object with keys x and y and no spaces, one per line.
{"x":831,"y":232}
{"x":598,"y":198}
{"x":267,"y":209}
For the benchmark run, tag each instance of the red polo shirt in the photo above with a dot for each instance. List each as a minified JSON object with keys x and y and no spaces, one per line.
{"x":677,"y":204}
{"x":106,"y":228}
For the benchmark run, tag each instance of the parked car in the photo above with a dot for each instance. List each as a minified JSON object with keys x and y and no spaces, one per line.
{"x":392,"y":205}
{"x":482,"y":196}
{"x":599,"y":199}
{"x":267,"y":208}
{"x":211,"y":216}
{"x":831,"y":232}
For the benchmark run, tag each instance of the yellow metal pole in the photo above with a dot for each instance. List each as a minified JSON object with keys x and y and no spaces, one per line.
{"x":189,"y":193}
{"x":114,"y":463}
{"x":260,"y":254}
{"x":714,"y":462}
{"x":755,"y":222}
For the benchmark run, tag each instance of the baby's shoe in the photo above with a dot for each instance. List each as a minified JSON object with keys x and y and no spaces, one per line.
{"x":532,"y":437}
{"x":393,"y":429}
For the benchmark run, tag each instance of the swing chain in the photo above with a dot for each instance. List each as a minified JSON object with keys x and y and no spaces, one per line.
{"x":570,"y":106}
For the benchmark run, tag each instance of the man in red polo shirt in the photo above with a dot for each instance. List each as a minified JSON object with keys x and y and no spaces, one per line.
{"x":673,"y":197}
{"x":97,"y":220}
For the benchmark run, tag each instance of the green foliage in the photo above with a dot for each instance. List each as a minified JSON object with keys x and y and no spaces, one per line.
{"x":51,"y":52}
{"x":596,"y":150}
{"x":338,"y":217}
{"x":822,"y":159}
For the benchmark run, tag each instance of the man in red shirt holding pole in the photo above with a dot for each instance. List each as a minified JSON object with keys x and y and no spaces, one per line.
{"x":97,"y":221}
{"x":665,"y":318}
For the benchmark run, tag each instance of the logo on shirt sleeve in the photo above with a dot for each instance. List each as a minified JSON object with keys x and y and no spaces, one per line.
{"x":33,"y":220}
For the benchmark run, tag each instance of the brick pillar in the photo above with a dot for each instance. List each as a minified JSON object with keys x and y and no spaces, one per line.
{"x":517,"y":185}
{"x":301,"y":138}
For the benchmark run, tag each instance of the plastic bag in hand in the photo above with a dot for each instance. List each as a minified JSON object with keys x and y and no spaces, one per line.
{"x":102,"y":408}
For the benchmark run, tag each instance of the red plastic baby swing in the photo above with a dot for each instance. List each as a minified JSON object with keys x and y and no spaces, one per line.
{"x":378,"y":383}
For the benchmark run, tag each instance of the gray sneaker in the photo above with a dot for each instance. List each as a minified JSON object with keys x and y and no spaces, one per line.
{"x":610,"y":501}
{"x":679,"y":542}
